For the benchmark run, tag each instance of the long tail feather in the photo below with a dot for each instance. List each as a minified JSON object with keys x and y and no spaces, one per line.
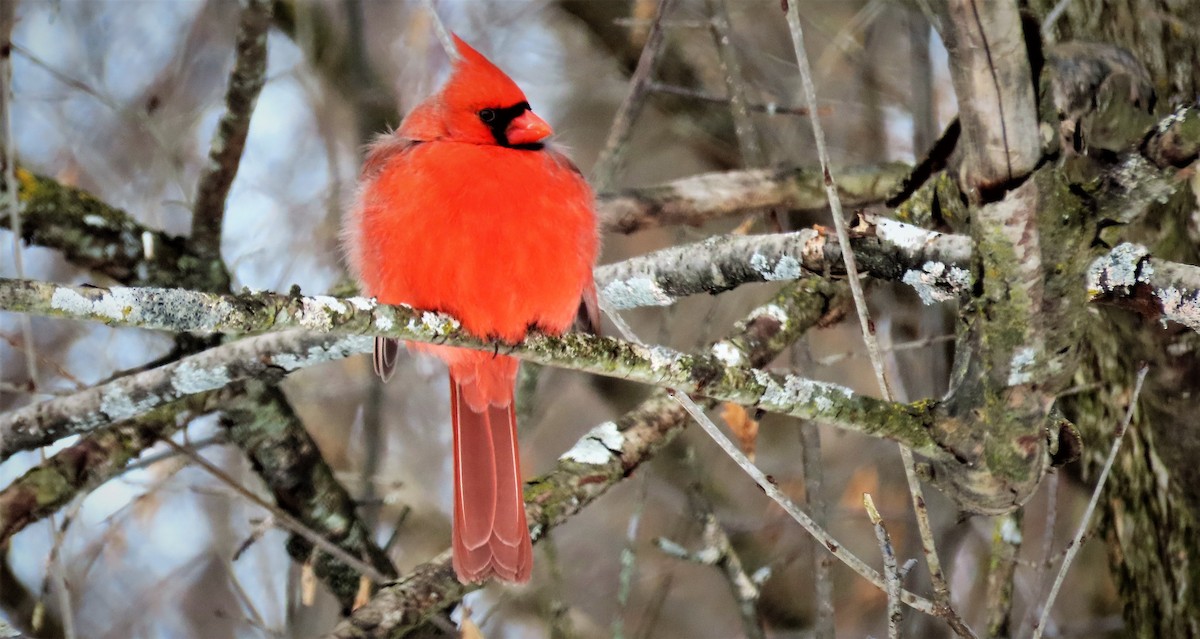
{"x":491,"y":536}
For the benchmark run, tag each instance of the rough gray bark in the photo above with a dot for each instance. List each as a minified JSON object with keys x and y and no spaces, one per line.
{"x":1151,"y":509}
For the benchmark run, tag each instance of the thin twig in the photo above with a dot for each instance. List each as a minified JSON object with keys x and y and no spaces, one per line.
{"x":12,"y":202}
{"x":628,"y":562}
{"x":856,"y":564}
{"x":731,"y":69}
{"x":940,"y":587}
{"x":814,"y":480}
{"x":890,"y":571}
{"x":245,"y":82}
{"x":609,"y":161}
{"x":898,"y":347}
{"x":285,"y":520}
{"x":1039,"y":571}
{"x":770,"y":108}
{"x":1052,"y":18}
{"x":1077,"y":541}
{"x":718,"y":551}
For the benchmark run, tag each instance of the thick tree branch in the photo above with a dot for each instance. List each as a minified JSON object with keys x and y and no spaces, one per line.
{"x":701,"y":198}
{"x":51,"y":485}
{"x":107,"y":240}
{"x":719,"y":374}
{"x":994,"y":85}
{"x":245,"y":82}
{"x":933,"y":263}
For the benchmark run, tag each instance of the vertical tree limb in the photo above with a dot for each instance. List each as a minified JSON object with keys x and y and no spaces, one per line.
{"x":245,"y":82}
{"x":994,"y":85}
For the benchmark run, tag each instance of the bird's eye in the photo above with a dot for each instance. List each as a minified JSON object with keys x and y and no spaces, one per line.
{"x":487,"y":115}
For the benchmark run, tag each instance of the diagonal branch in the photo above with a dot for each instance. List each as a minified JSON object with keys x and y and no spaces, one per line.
{"x":245,"y":83}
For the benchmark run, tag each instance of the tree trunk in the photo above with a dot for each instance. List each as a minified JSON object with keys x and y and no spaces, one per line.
{"x":1151,"y":504}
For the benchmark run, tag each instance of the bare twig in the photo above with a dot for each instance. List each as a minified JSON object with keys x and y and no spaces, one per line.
{"x":628,"y":562}
{"x":717,"y":550}
{"x":1076,"y":541}
{"x":814,"y":481}
{"x":941,"y":589}
{"x":890,"y":571}
{"x":11,"y":201}
{"x":245,"y":82}
{"x":609,"y":161}
{"x":731,"y":68}
{"x":769,"y":108}
{"x":779,"y":497}
{"x":285,"y":520}
{"x":1039,"y":570}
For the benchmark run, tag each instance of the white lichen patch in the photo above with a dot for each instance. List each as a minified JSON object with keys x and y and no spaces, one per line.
{"x":94,"y":220}
{"x":117,"y":304}
{"x":1010,"y":532}
{"x":785,"y":268}
{"x":1122,"y":268}
{"x":598,"y":446}
{"x":1175,"y":118}
{"x":435,"y":323}
{"x":770,"y":310}
{"x":1180,"y":306}
{"x":147,"y":245}
{"x":117,"y":404}
{"x":727,"y":353}
{"x":1137,"y":175}
{"x":635,"y":292}
{"x":936,"y":282}
{"x":798,"y":390}
{"x":384,"y":323}
{"x":362,"y":303}
{"x":661,"y":357}
{"x":1020,"y":368}
{"x":318,"y":354}
{"x":906,"y":237}
{"x":316,"y":312}
{"x":189,"y":379}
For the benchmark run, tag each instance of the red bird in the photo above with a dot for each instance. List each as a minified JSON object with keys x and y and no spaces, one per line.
{"x":464,"y":210}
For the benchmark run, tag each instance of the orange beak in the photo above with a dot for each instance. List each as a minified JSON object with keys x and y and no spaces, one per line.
{"x":527,"y":128}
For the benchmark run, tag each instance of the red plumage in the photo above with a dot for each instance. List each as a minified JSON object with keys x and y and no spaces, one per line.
{"x":463,"y":210}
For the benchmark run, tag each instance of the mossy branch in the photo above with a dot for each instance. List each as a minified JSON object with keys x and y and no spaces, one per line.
{"x":340,"y":327}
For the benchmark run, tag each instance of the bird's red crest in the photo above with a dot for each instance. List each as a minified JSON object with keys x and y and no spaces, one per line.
{"x":477,"y":83}
{"x":452,"y":113}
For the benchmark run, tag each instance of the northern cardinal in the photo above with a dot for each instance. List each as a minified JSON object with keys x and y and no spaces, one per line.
{"x":464,"y":210}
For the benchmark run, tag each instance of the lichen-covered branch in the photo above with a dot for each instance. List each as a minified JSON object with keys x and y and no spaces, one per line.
{"x":700,"y":198}
{"x":52,"y":484}
{"x":933,"y":263}
{"x":719,"y":374}
{"x":225,"y":154}
{"x":267,"y":357}
{"x":1127,"y":276}
{"x":606,"y":455}
{"x":107,"y":240}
